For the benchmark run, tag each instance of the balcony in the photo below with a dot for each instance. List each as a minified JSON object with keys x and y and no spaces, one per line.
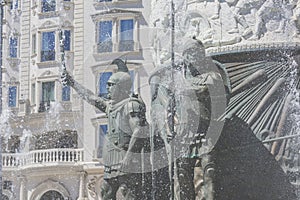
{"x":44,"y":106}
{"x":104,"y":47}
{"x":37,"y":157}
{"x":47,"y":55}
{"x":126,"y":45}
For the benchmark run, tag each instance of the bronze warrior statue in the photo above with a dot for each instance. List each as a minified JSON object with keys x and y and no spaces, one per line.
{"x":234,"y":163}
{"x":189,"y":93}
{"x":126,"y":137}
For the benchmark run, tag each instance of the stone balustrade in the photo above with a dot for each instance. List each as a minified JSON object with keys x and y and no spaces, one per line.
{"x":42,"y":157}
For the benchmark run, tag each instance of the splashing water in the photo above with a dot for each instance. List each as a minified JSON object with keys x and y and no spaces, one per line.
{"x":5,"y":128}
{"x":53,"y":119}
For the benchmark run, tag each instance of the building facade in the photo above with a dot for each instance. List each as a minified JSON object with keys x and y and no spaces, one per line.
{"x":53,"y":140}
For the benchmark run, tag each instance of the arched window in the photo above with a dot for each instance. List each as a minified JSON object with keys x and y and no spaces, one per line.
{"x":52,"y":195}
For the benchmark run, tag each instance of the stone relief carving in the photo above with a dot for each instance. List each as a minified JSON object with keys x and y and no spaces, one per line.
{"x":236,"y":9}
{"x":296,"y":17}
{"x":229,"y":22}
{"x":270,"y":10}
{"x":93,"y":187}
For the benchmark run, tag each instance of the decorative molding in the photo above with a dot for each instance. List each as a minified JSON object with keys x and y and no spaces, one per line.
{"x":99,"y":5}
{"x":293,"y":46}
{"x":48,"y":14}
{"x":47,"y":74}
{"x":67,"y":5}
{"x":67,"y":24}
{"x":47,"y":64}
{"x":48,"y":25}
{"x":47,"y":186}
{"x":34,"y":7}
{"x":93,"y":187}
{"x":115,"y":13}
{"x":14,"y":63}
{"x":116,"y":54}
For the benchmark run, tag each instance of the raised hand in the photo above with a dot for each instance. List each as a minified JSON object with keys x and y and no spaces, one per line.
{"x":67,"y":79}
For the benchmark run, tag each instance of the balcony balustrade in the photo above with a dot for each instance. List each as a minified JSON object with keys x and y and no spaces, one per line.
{"x":46,"y":156}
{"x":126,"y":45}
{"x":104,"y":47}
{"x":47,"y":55}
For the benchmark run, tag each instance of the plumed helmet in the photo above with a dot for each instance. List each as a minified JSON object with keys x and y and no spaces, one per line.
{"x":194,"y":56}
{"x":122,"y":76}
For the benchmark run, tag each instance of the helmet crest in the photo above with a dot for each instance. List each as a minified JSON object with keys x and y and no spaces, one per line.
{"x":120,"y":64}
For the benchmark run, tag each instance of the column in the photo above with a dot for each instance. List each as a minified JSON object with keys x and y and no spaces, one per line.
{"x":81,"y":186}
{"x":136,"y":34}
{"x":38,"y":89}
{"x":38,"y":48}
{"x":115,"y":35}
{"x":23,"y":193}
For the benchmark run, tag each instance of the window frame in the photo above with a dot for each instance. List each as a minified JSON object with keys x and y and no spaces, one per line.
{"x":70,"y":40}
{"x":52,"y":98}
{"x":14,"y":5}
{"x":14,"y":49}
{"x":68,"y":99}
{"x":34,"y":44}
{"x":100,"y":83}
{"x":121,"y":34}
{"x":33,"y":93}
{"x":116,"y":16}
{"x":106,"y":42}
{"x":41,"y":49}
{"x":42,"y":104}
{"x":15,"y":101}
{"x":49,"y":11}
{"x":100,"y":139}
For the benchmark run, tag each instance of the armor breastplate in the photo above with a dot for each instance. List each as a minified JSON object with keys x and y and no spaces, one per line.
{"x":117,"y":138}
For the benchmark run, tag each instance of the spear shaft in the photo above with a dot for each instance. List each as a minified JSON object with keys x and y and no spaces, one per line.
{"x":172,"y":106}
{"x":172,"y":33}
{"x":281,"y":138}
{"x":2,"y":4}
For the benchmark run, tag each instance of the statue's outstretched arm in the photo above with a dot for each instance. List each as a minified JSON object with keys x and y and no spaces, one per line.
{"x":83,"y":92}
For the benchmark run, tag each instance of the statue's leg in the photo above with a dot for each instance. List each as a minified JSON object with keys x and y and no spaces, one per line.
{"x":147,"y":186}
{"x":208,"y":167}
{"x":161,"y":183}
{"x":109,"y":189}
{"x":160,"y":175}
{"x":259,"y":23}
{"x":185,"y":173}
{"x":131,"y":186}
